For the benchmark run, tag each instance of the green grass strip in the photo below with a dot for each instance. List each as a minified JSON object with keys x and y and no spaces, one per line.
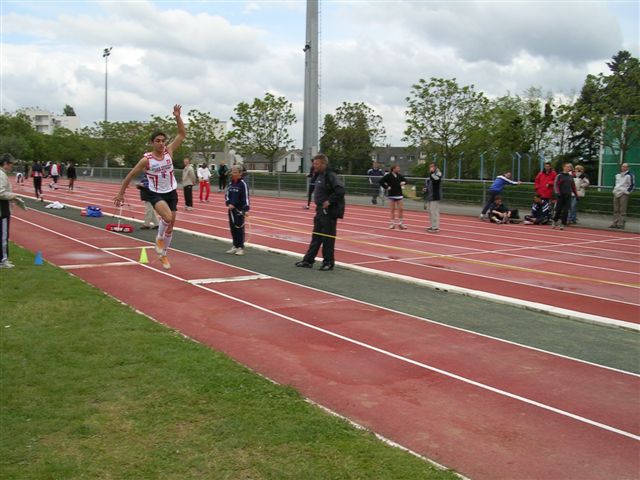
{"x":91,"y":389}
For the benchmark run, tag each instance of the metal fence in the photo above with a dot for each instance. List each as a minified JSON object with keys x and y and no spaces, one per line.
{"x":459,"y":191}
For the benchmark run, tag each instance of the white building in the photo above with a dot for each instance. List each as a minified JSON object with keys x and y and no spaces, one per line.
{"x":46,"y":122}
{"x":290,"y":161}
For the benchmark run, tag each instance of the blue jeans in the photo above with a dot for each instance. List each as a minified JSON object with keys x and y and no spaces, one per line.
{"x":573,"y":209}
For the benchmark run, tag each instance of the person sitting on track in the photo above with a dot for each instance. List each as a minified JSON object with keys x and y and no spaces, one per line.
{"x":158,"y":166}
{"x":498,"y":211}
{"x":237,"y":202}
{"x":540,"y":212}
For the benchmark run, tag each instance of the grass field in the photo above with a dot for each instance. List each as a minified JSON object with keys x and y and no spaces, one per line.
{"x":91,"y":389}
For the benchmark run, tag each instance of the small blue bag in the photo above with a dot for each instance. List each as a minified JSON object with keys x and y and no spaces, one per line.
{"x":94,"y":211}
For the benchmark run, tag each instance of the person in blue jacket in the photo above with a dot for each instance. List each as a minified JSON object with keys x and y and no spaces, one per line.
{"x":237,"y":202}
{"x":496,"y":189}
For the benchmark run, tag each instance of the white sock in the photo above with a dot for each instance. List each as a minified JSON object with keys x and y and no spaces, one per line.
{"x":167,"y":242}
{"x":162,"y":228}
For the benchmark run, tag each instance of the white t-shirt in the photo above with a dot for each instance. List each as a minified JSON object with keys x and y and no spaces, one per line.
{"x":160,"y":173}
{"x":204,"y":174}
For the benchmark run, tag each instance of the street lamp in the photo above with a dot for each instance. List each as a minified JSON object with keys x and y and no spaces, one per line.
{"x":105,"y":55}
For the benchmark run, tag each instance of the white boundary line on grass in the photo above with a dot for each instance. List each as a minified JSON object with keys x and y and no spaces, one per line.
{"x":373,"y":348}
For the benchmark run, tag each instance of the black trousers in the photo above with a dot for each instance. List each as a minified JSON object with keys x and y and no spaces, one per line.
{"x":4,"y":238}
{"x":188,"y":195}
{"x":562,"y":208}
{"x":324,"y":233}
{"x":236,"y":225}
{"x":37,"y":185}
{"x":312,"y":187}
{"x":492,"y":197}
{"x":222,"y":182}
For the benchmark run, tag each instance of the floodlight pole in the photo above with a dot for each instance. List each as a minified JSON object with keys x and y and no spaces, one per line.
{"x":105,"y":55}
{"x":310,"y":118}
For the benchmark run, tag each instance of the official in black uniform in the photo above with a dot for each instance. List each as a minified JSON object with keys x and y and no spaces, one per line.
{"x":328,"y":195}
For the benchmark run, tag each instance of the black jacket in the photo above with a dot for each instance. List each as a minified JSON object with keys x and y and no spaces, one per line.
{"x":336,"y":191}
{"x":392,"y":182}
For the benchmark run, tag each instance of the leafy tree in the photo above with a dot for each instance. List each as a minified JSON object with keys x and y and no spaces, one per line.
{"x":68,"y":111}
{"x":608,"y":101}
{"x":349,"y":136}
{"x":205,"y":133}
{"x":538,"y":118}
{"x":499,"y":132}
{"x":261,"y":128}
{"x":441,"y":112}
{"x":17,"y":137}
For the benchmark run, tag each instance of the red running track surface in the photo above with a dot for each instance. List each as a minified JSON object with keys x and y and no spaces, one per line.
{"x":487,"y":408}
{"x":589,"y":272}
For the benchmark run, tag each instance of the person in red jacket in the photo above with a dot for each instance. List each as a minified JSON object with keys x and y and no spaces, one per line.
{"x":544,"y":182}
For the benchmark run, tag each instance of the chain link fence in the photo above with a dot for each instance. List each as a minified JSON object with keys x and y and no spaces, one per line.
{"x":598,"y":199}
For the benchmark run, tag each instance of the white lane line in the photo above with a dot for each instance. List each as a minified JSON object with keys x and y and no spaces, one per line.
{"x":97,"y":265}
{"x":387,"y":353}
{"x":434,"y":285}
{"x":425,"y":366}
{"x":243,"y":278}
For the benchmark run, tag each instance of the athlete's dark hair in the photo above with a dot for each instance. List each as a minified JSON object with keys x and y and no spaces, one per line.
{"x":157,"y":133}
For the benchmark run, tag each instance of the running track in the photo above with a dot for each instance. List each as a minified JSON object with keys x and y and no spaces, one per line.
{"x":485,"y":407}
{"x":582,"y":273}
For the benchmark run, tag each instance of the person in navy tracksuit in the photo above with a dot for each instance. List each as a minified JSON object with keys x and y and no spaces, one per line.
{"x":237,"y":201}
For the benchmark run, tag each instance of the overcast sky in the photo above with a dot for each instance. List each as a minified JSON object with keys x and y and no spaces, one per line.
{"x":211,"y":55}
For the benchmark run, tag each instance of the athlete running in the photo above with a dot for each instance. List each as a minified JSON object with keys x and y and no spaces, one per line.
{"x":163,"y":195}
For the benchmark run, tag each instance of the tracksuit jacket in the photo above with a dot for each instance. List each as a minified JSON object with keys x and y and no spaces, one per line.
{"x":238,"y":195}
{"x":393,"y":182}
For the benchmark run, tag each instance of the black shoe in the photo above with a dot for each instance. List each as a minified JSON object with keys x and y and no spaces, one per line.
{"x":326,"y":268}
{"x":304,"y":264}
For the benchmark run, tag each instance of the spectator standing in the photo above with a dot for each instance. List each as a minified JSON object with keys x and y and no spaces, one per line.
{"x":223,"y":171}
{"x":237,"y":202}
{"x":544,"y":182}
{"x":374,"y":174}
{"x":55,"y":174}
{"x":6,"y":196}
{"x":582,"y":182}
{"x":625,"y":183}
{"x":496,"y":189}
{"x":540,"y":212}
{"x":188,"y":181}
{"x":564,"y":188}
{"x":71,"y":175}
{"x":204,"y":177}
{"x":393,"y":183}
{"x":433,"y":195}
{"x":37,"y":172}
{"x":328,"y":196}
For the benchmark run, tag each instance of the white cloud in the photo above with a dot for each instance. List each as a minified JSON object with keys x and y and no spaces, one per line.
{"x":211,"y":56}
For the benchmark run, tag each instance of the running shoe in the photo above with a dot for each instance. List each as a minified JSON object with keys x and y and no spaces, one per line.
{"x":159,"y":246}
{"x":164,"y":260}
{"x":392,"y":226}
{"x":232,"y":250}
{"x":402,"y":226}
{"x":6,"y":264}
{"x":239,"y":251}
